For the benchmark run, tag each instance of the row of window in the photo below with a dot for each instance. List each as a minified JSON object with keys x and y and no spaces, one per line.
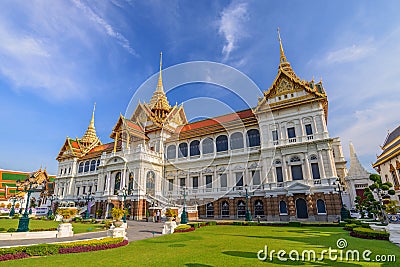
{"x":88,"y":166}
{"x":64,"y":171}
{"x":259,"y":208}
{"x":208,"y":146}
{"x":255,"y":174}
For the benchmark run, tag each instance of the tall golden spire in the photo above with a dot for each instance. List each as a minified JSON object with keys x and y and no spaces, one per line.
{"x":160,"y":86}
{"x":283,"y":57}
{"x":90,"y":135}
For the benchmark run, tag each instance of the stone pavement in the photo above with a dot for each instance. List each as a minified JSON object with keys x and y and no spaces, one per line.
{"x":136,"y":230}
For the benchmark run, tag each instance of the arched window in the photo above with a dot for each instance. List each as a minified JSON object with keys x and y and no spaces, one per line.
{"x":86,"y":166}
{"x":130,"y":183}
{"x":301,"y":208}
{"x":294,"y":159}
{"x":241,"y":208}
{"x":253,"y":138}
{"x":117,"y":183}
{"x":313,"y":158}
{"x":171,"y":152}
{"x":258,"y":208}
{"x":236,"y":140}
{"x":321,"y":206}
{"x":222,"y":143}
{"x":69,"y":170}
{"x":210,"y":210}
{"x":194,"y":148}
{"x":224,"y":209}
{"x":208,"y":146}
{"x":282,"y":207}
{"x":150,"y":183}
{"x":183,"y":150}
{"x":92,"y":165}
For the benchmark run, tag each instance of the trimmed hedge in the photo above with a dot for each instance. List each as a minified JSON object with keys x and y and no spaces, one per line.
{"x":366,"y":233}
{"x":61,"y":248}
{"x":183,"y":227}
{"x":294,"y":224}
{"x":350,"y":226}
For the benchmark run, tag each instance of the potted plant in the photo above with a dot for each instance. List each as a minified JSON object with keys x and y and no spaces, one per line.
{"x":99,"y":213}
{"x":66,"y":214}
{"x":117,"y":214}
{"x":170,"y":214}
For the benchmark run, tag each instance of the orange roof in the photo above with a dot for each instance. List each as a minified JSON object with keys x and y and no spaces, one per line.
{"x":74,"y":144}
{"x":217,"y":120}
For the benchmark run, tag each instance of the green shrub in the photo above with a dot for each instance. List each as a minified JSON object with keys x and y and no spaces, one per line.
{"x":107,"y":223}
{"x":11,"y":230}
{"x":183,"y":227}
{"x":350,"y":226}
{"x":295,"y":224}
{"x":194,"y":224}
{"x":16,"y":216}
{"x":212,"y":223}
{"x":369,"y":233}
{"x":2,"y":229}
{"x":365,"y":225}
{"x":342,"y":224}
{"x":41,"y":250}
{"x":51,"y":217}
{"x":93,"y":242}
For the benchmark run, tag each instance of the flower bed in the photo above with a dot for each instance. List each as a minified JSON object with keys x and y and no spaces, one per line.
{"x":61,"y":248}
{"x":185,"y":230}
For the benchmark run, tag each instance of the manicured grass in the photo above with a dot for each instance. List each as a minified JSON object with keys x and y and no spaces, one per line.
{"x":222,"y":246}
{"x":44,"y":224}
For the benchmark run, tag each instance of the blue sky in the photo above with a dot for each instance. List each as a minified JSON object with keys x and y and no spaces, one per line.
{"x":59,"y":57}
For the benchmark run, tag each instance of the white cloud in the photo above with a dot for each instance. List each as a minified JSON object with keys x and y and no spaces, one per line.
{"x":347,"y":54}
{"x":106,"y":26}
{"x":231,"y":26}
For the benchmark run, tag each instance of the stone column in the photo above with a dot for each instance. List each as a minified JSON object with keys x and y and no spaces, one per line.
{"x":321,"y":164}
{"x":307,"y":168}
{"x":285,"y":171}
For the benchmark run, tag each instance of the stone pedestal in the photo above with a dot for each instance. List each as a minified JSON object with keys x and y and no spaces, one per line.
{"x":394,"y":231}
{"x":169,"y":227}
{"x":64,"y":230}
{"x":117,"y":232}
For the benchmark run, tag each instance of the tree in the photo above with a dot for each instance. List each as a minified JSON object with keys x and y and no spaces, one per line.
{"x":375,"y":207}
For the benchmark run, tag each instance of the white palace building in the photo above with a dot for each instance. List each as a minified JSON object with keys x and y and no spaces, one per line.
{"x":279,"y":151}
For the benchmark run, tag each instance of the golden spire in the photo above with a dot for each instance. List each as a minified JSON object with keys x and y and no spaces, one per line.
{"x":90,"y":135}
{"x":283,"y":57}
{"x":160,"y":84}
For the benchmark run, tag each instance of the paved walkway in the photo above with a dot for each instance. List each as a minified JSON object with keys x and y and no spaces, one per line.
{"x":136,"y":231}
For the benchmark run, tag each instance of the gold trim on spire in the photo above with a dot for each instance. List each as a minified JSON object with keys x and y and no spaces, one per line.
{"x":160,"y":84}
{"x":90,"y":136}
{"x":282,"y":57}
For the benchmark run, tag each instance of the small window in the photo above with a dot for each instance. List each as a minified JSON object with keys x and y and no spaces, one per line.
{"x":297,"y":172}
{"x":183,"y":150}
{"x":86,"y":166}
{"x":295,"y":159}
{"x":210,"y":210}
{"x":256,"y":177}
{"x":282,"y":207}
{"x":308,"y":129}
{"x":222,"y":143}
{"x":239,"y":179}
{"x":171,"y":152}
{"x":275,"y":135}
{"x":291,"y":132}
{"x":208,"y":181}
{"x":77,"y":191}
{"x":170,"y":184}
{"x":194,"y":148}
{"x":195,"y":182}
{"x":253,"y":138}
{"x":208,"y":146}
{"x":321,"y":209}
{"x":80,"y":169}
{"x":92,"y":165}
{"x":223,"y":178}
{"x":279,"y":175}
{"x":315,"y":171}
{"x":237,"y":140}
{"x":182,"y":182}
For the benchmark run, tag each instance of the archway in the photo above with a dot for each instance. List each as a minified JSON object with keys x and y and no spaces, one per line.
{"x":301,"y":208}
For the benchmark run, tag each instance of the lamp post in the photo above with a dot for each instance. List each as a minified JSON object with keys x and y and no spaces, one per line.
{"x":87,"y":197}
{"x":124,"y":193}
{"x":13,"y":199}
{"x":51,"y":198}
{"x":248,"y":213}
{"x":28,"y":186}
{"x":343,"y":211}
{"x":184,"y":218}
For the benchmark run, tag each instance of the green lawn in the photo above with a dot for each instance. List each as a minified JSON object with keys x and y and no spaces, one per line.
{"x":222,"y":246}
{"x":39,"y":224}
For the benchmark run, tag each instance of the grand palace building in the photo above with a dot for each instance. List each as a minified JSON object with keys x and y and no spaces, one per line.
{"x":279,"y":152}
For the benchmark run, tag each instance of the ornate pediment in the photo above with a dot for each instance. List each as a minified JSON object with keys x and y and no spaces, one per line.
{"x":298,"y":188}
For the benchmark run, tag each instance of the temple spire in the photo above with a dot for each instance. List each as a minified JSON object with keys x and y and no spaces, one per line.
{"x":160,"y":86}
{"x":283,"y":57}
{"x":90,"y":135}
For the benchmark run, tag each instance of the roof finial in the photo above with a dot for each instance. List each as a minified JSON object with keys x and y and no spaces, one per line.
{"x":92,"y":120}
{"x":159,"y":84}
{"x":283,"y":57}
